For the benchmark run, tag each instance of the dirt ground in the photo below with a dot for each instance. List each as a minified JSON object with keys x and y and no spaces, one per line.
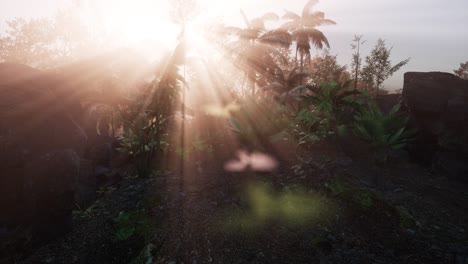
{"x":324,"y":208}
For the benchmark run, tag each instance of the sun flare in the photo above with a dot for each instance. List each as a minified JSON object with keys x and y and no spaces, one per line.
{"x":138,"y":21}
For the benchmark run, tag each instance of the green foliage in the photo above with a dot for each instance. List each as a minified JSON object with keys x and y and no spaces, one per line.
{"x":363,"y":198}
{"x":85,"y":212}
{"x":384,"y":132}
{"x":256,"y":50}
{"x":406,"y":219}
{"x":145,"y":256}
{"x":305,"y":126}
{"x":378,"y":66}
{"x":330,"y":101}
{"x":147,"y":118}
{"x":260,"y":121}
{"x":283,"y":80}
{"x":324,"y":68}
{"x":139,"y":141}
{"x":47,"y":42}
{"x":133,"y":224}
{"x":339,"y":187}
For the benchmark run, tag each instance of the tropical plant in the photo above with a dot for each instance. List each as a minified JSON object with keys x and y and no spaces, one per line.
{"x":304,"y":32}
{"x":462,"y":72}
{"x":259,"y":122}
{"x":385,"y":132}
{"x":284,"y":80}
{"x":146,"y":121}
{"x":330,"y":101}
{"x":378,"y":66}
{"x":307,"y":127}
{"x":255,"y":51}
{"x":139,"y":142}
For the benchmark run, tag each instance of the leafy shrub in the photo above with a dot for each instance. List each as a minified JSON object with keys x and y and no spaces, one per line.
{"x":330,"y":100}
{"x":132,"y":224}
{"x":385,"y":132}
{"x":259,"y":122}
{"x":139,"y":141}
{"x":147,"y":119}
{"x":307,"y":128}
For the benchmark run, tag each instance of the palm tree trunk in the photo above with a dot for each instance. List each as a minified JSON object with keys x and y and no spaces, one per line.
{"x":302,"y":66}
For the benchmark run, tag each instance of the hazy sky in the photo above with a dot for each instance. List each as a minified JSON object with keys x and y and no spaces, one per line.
{"x":433,"y":33}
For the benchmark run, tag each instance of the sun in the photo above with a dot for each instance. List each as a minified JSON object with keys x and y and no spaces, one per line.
{"x":137,"y":21}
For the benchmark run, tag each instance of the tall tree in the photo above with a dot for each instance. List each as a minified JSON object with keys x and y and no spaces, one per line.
{"x":378,"y":66}
{"x":304,"y":30}
{"x":325,"y":68}
{"x":255,"y":51}
{"x":29,"y":42}
{"x":49,"y":42}
{"x":357,"y":60}
{"x":462,"y":72}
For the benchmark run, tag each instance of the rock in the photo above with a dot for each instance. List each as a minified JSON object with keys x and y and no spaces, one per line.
{"x":40,"y":144}
{"x":50,"y":193}
{"x":32,"y":117}
{"x":101,"y":153}
{"x":107,"y":177}
{"x":438,"y":104}
{"x":451,"y":163}
{"x":87,"y":184}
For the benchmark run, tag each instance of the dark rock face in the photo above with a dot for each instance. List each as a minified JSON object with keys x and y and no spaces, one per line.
{"x":53,"y":186}
{"x":42,"y":146}
{"x":33,"y":116}
{"x":438,"y":104}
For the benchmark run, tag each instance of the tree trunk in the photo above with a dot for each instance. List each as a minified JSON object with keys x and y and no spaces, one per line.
{"x":302,"y":66}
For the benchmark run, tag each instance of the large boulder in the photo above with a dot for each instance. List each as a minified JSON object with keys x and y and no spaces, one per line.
{"x":32,"y":117}
{"x":437,"y":100}
{"x":41,"y":195}
{"x":438,"y":103}
{"x":41,"y":142}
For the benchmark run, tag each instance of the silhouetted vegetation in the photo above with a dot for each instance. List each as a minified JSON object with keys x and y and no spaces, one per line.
{"x":234,"y":145}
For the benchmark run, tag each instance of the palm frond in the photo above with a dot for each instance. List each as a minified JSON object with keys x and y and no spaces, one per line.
{"x":289,"y":15}
{"x":270,"y":16}
{"x":309,"y":6}
{"x":276,"y":37}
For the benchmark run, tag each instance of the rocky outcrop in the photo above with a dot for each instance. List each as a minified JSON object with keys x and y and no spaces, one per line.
{"x":32,"y":116}
{"x":44,"y":165}
{"x":438,"y":104}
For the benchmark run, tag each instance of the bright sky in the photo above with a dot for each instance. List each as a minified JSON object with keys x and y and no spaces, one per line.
{"x":432,"y":32}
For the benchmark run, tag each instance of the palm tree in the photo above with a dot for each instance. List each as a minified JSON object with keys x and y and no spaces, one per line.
{"x":304,"y":32}
{"x":284,"y":80}
{"x":255,"y":51}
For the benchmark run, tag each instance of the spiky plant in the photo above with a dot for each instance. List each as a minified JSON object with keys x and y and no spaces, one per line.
{"x":330,"y":100}
{"x":384,"y":131}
